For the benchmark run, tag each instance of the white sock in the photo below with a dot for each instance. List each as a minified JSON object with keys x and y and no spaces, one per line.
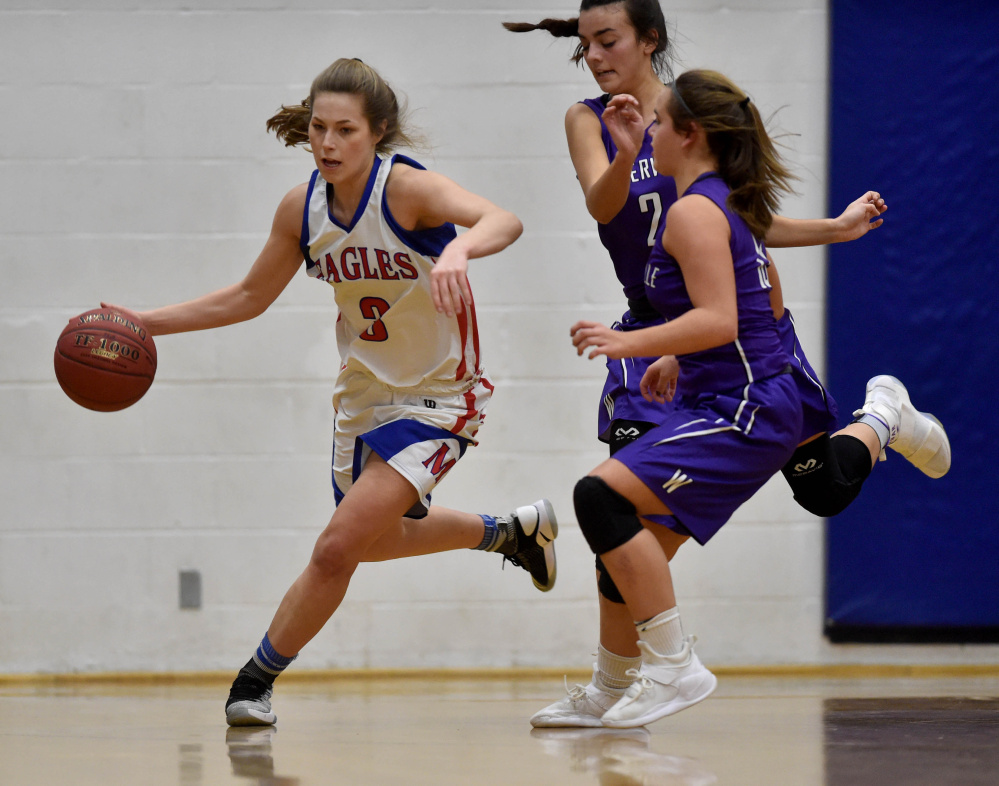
{"x":879,"y":427}
{"x":612,"y":669}
{"x":663,"y":633}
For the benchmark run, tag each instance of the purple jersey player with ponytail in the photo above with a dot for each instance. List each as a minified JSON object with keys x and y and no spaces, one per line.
{"x":626,"y":46}
{"x":738,"y":416}
{"x":628,"y":238}
{"x":624,"y":43}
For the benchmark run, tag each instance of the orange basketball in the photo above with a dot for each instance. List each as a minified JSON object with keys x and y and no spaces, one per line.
{"x":105,"y":360}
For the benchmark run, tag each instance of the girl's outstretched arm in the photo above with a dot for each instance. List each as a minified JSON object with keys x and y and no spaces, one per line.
{"x":266,"y":279}
{"x":860,"y":217}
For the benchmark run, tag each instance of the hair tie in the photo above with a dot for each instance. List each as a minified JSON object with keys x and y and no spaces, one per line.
{"x":744,"y":102}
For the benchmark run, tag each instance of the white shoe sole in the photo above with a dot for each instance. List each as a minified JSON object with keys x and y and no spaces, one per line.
{"x":706,"y":687}
{"x":575,"y":722}
{"x":242,"y":716}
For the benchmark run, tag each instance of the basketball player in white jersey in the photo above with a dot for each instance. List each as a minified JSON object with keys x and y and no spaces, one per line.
{"x":412,"y":391}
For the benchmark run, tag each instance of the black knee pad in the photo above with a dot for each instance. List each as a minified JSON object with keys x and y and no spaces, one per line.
{"x":608,"y":589}
{"x":624,"y":432}
{"x":826,"y":474}
{"x":606,"y":519}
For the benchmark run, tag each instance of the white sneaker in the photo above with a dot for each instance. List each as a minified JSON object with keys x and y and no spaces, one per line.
{"x":584,"y":705}
{"x":917,"y":436}
{"x":664,"y":685}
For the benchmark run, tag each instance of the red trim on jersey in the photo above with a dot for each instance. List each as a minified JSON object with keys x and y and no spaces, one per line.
{"x":491,"y":388}
{"x":463,"y":333}
{"x":475,"y":332}
{"x":468,"y":326}
{"x":469,"y":412}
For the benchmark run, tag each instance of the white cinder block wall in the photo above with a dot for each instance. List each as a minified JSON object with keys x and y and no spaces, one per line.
{"x":135,"y":168}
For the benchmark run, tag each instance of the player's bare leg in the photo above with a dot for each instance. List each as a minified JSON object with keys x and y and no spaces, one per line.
{"x":442,"y":529}
{"x":525,"y":537}
{"x":374,"y":503}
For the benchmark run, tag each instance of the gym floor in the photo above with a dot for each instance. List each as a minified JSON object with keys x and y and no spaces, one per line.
{"x":774,"y":730}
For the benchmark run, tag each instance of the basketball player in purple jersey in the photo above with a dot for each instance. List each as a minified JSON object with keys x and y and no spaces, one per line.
{"x":737,"y":418}
{"x":625,"y":45}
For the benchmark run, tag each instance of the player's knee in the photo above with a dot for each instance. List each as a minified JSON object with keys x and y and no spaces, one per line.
{"x":816,"y":487}
{"x":331,"y":556}
{"x":606,"y":518}
{"x":826,"y":478}
{"x":823,"y":500}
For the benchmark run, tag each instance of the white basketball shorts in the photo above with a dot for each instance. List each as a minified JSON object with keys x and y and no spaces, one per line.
{"x":420,"y":435}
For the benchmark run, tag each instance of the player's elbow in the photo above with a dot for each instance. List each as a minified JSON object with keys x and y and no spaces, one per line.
{"x":516,"y":226}
{"x":601,"y":213}
{"x":601,"y":210}
{"x":726,"y":328}
{"x":732,"y":328}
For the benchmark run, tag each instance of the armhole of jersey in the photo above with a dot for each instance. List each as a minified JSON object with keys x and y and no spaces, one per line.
{"x":429,"y":242}
{"x":602,"y":100}
{"x":303,"y":240}
{"x":605,"y":136}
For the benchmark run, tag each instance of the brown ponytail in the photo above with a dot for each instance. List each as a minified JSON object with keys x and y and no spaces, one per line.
{"x":291,"y":123}
{"x":747,"y":157}
{"x":558,"y":28}
{"x":645,"y":16}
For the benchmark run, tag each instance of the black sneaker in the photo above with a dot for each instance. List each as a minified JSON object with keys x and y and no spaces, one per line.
{"x":536,"y":529}
{"x":249,"y":702}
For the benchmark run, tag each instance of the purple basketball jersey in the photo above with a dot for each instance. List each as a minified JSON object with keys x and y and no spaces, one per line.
{"x":757,"y":352}
{"x":738,"y":416}
{"x":631,"y":234}
{"x":629,"y":238}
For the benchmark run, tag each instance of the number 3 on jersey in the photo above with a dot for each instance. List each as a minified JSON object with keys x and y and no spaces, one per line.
{"x":374,"y":308}
{"x":652,"y":201}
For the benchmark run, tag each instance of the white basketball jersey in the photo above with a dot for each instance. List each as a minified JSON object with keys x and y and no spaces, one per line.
{"x":388,"y":327}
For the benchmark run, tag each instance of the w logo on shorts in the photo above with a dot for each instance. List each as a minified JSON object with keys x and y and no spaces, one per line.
{"x":438,"y":463}
{"x":609,"y":405}
{"x":675,"y":482}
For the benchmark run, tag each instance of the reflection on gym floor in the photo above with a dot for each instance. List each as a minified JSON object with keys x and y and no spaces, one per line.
{"x":621,"y":756}
{"x":912,"y":740}
{"x":250,"y":751}
{"x":411,"y":730}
